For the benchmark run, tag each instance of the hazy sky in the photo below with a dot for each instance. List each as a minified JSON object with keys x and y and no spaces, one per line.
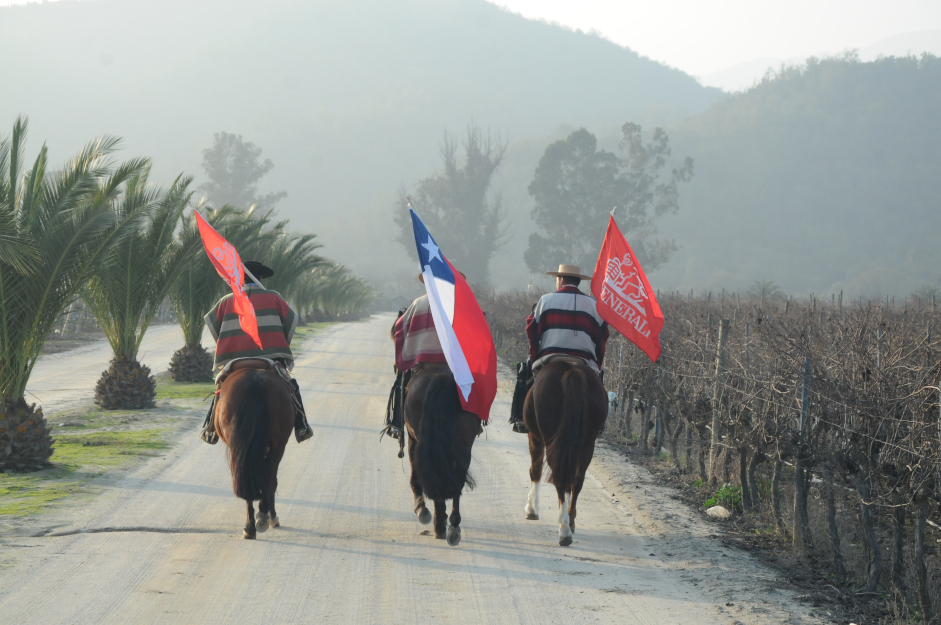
{"x":703,"y":37}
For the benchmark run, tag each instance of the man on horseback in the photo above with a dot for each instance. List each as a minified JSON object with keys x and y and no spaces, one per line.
{"x":563,"y":324}
{"x":416,"y":342}
{"x":276,"y":324}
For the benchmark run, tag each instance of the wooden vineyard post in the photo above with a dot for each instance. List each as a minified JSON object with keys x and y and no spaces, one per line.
{"x":721,"y":360}
{"x":801,"y":475}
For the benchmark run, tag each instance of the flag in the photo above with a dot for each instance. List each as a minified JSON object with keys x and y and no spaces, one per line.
{"x":625,"y":299}
{"x":225,"y":258}
{"x":460,"y":324}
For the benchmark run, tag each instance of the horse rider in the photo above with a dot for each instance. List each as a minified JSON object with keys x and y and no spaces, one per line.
{"x":276,"y":324}
{"x":416,"y":343}
{"x":563,"y":324}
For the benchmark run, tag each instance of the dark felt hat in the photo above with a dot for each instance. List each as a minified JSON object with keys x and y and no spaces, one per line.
{"x":258,"y":270}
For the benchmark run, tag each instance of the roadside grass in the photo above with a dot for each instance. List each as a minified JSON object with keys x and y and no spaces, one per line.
{"x":90,"y":442}
{"x":168,"y":389}
{"x":77,"y":459}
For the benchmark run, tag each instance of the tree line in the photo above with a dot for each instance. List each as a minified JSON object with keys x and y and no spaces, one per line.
{"x":99,"y":230}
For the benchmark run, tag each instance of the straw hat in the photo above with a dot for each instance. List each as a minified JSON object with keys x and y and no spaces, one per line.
{"x":569,"y":271}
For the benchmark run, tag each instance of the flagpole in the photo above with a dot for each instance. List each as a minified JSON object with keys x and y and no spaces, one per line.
{"x":249,"y":274}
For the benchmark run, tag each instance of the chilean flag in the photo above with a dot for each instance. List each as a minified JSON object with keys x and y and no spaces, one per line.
{"x":462,"y":329}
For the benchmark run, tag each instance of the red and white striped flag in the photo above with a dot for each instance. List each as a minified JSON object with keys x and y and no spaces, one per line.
{"x":225,"y":258}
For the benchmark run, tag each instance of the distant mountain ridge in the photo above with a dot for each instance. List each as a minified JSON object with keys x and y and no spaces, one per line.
{"x":348,"y":98}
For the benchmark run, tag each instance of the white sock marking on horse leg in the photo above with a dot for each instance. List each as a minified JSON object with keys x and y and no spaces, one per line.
{"x":532,"y":500}
{"x":564,"y":522}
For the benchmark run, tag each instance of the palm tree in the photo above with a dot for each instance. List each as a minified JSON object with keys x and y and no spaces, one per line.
{"x":128,"y":287}
{"x":291,"y":256}
{"x":332,"y":292}
{"x":66,"y":215}
{"x":765,"y":290}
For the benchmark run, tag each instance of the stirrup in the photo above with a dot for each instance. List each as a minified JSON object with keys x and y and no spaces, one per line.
{"x":303,"y":433}
{"x":209,"y":436}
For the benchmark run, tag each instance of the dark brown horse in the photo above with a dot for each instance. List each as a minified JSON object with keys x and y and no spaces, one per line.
{"x":440,"y":437}
{"x":564,"y":413}
{"x":254,"y":417}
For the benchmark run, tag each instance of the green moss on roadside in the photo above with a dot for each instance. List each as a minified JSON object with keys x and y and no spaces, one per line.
{"x":77,"y":458}
{"x":168,"y":389}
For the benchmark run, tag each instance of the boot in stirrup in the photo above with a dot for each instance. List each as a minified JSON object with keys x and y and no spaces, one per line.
{"x":208,"y":434}
{"x":302,"y":429}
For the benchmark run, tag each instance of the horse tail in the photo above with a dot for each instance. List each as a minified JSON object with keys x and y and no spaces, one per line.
{"x":562,"y":450}
{"x":248,"y":444}
{"x":441,"y":460}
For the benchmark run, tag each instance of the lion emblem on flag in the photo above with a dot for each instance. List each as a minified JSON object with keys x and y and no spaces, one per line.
{"x":623,"y":278}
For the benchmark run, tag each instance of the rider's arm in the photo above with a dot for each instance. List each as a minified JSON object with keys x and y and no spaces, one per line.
{"x":532,"y":332}
{"x":602,"y":344}
{"x":288,"y":319}
{"x":214,"y":321}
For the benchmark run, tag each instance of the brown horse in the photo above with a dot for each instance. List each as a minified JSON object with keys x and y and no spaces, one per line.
{"x":254,"y":417}
{"x":440,"y":437}
{"x":564,"y":413}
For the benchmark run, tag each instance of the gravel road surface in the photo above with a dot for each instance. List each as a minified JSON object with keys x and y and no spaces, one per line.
{"x":163,"y":544}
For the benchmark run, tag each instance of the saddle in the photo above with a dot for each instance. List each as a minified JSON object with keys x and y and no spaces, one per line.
{"x":259,"y":364}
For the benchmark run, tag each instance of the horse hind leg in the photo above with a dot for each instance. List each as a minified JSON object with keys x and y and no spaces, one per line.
{"x":565,"y":528}
{"x":421,"y":510}
{"x":249,"y":532}
{"x":536,"y":451}
{"x":454,"y":530}
{"x":441,"y":518}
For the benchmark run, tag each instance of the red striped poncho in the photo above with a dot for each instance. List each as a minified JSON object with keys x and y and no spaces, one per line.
{"x":276,"y":324}
{"x":416,"y":339}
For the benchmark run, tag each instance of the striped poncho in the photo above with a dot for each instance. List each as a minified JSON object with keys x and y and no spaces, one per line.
{"x":416,"y":339}
{"x":276,"y":324}
{"x":567,"y":322}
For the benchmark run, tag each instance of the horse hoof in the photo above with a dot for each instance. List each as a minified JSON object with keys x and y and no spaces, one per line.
{"x":440,"y":536}
{"x":532,"y":516}
{"x":454,"y":536}
{"x":247,"y":536}
{"x":424,"y":516}
{"x":565,"y":541}
{"x":261,"y":522}
{"x":275,"y":521}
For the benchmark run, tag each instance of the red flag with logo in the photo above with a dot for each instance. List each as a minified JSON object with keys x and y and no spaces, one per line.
{"x":625,"y":299}
{"x":225,"y":258}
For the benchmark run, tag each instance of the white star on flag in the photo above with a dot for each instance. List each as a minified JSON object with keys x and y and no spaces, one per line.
{"x":433,"y":250}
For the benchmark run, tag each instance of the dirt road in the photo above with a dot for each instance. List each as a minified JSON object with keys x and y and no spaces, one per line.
{"x":164,"y":545}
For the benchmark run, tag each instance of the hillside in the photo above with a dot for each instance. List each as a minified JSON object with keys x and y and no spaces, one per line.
{"x":349,"y":99}
{"x":822,"y":178}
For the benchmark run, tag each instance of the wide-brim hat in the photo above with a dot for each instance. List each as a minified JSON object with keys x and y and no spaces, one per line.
{"x":569,"y":271}
{"x":258,"y":270}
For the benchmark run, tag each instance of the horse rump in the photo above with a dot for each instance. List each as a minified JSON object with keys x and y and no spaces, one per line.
{"x":562,"y":449}
{"x":442,"y":457}
{"x":248,"y":440}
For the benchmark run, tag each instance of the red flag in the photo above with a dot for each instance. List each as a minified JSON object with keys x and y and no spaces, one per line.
{"x":625,"y":299}
{"x":227,"y":262}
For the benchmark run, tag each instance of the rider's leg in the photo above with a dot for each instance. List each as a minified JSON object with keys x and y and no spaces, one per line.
{"x":524,"y":382}
{"x":208,"y":433}
{"x":302,"y":429}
